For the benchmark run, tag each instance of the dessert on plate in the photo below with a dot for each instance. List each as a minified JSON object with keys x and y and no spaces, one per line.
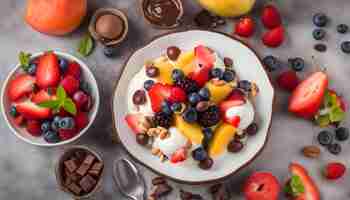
{"x":191,"y":105}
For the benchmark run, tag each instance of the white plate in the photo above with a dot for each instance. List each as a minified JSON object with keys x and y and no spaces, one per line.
{"x":247,"y":65}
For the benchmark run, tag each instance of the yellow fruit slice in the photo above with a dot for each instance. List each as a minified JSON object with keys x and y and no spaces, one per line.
{"x":165,"y":70}
{"x":219,"y":92}
{"x":222,"y":137}
{"x":186,"y":62}
{"x":191,"y":131}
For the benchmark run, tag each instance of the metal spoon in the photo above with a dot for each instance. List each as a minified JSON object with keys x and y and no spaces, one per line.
{"x":132,"y":185}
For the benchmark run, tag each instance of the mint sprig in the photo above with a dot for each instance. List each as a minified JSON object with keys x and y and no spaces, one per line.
{"x":330,"y":111}
{"x":24,"y":60}
{"x":295,"y":186}
{"x":62,"y":101}
{"x":86,"y":45}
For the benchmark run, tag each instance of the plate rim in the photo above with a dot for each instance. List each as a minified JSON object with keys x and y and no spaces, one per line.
{"x":211,"y":181}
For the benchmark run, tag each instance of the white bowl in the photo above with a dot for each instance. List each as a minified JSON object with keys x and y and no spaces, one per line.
{"x":20,"y":132}
{"x":247,"y":65}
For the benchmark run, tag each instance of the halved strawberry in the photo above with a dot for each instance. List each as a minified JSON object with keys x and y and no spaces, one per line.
{"x":334,"y":170}
{"x":73,"y":70}
{"x":48,"y":71}
{"x":20,"y":86}
{"x":34,"y":128}
{"x":41,"y":96}
{"x":261,"y":186}
{"x":271,"y":17}
{"x":66,"y":134}
{"x":237,"y":95}
{"x":234,"y":120}
{"x":81,"y":120}
{"x":274,"y":37}
{"x":225,"y":105}
{"x":179,"y":156}
{"x":307,"y":98}
{"x":135,"y":122}
{"x":311,"y":191}
{"x":70,"y":84}
{"x":245,"y":27}
{"x":160,"y":92}
{"x":288,"y":80}
{"x":19,"y":120}
{"x":30,"y":110}
{"x":205,"y":61}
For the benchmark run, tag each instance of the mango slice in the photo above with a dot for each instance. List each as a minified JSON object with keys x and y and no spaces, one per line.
{"x":191,"y":131}
{"x":165,"y":70}
{"x":222,"y":137}
{"x":219,"y":92}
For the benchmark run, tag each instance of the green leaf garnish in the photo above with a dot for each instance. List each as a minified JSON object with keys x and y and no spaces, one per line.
{"x":62,"y":101}
{"x":86,"y":45}
{"x":295,"y":186}
{"x":24,"y":59}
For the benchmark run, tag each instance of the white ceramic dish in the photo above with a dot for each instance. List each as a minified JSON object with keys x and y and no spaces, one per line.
{"x":247,"y":65}
{"x":39,"y":141}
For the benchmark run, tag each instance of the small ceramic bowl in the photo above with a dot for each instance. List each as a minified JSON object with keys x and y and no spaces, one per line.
{"x":20,"y":132}
{"x":59,"y":169}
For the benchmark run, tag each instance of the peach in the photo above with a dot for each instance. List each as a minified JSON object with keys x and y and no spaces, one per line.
{"x":55,"y":17}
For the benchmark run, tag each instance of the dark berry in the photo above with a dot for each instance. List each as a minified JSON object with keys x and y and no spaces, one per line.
{"x":152,"y":71}
{"x":177,"y":74}
{"x":173,"y":52}
{"x":190,"y":115}
{"x":245,"y":85}
{"x":199,"y":154}
{"x":139,"y":97}
{"x":252,"y":129}
{"x":142,"y":139}
{"x":271,"y":63}
{"x":194,"y":98}
{"x":110,"y":52}
{"x":320,"y":47}
{"x":176,"y":107}
{"x":208,"y":135}
{"x":229,"y":75}
{"x":325,"y":138}
{"x":297,"y":64}
{"x":334,"y":148}
{"x":63,"y":63}
{"x":235,"y":146}
{"x":66,"y":123}
{"x":342,"y":28}
{"x":163,"y":119}
{"x":13,"y":111}
{"x":216,"y":73}
{"x":188,"y":85}
{"x":45,"y":126}
{"x":85,"y":87}
{"x":342,"y":133}
{"x":55,"y":123}
{"x":51,"y":137}
{"x":32,"y":69}
{"x":318,"y":34}
{"x":345,"y":47}
{"x":228,"y":62}
{"x":204,"y":94}
{"x":209,"y":117}
{"x":166,"y":108}
{"x":320,"y":19}
{"x":148,"y":84}
{"x":206,"y":164}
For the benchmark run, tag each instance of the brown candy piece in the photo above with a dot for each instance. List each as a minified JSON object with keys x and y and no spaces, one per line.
{"x":173,"y":52}
{"x":139,"y":97}
{"x":89,"y":159}
{"x":206,"y":164}
{"x":87,"y":183}
{"x":205,"y":19}
{"x":161,"y":190}
{"x":70,"y":165}
{"x":228,"y":62}
{"x":83,"y":169}
{"x":184,"y":195}
{"x":73,"y":187}
{"x":158,"y":180}
{"x":311,"y":151}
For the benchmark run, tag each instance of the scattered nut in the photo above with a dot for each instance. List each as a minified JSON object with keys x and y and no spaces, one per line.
{"x":158,"y":180}
{"x":311,"y":151}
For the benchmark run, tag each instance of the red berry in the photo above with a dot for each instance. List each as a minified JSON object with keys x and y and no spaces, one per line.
{"x":80,"y":99}
{"x":271,"y":17}
{"x":66,"y":134}
{"x":20,"y":86}
{"x":288,"y":80}
{"x":261,"y":186}
{"x":245,"y":27}
{"x":274,"y":37}
{"x":34,"y":128}
{"x":63,"y":113}
{"x":334,"y":170}
{"x":179,"y":156}
{"x":73,"y":70}
{"x":70,"y":84}
{"x":88,"y":105}
{"x":48,"y":71}
{"x":81,"y":120}
{"x":19,"y":120}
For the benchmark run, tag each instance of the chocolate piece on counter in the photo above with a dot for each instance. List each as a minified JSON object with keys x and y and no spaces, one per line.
{"x":70,"y":165}
{"x":184,"y":195}
{"x":219,"y":192}
{"x":205,"y":19}
{"x":109,"y":26}
{"x":89,"y":159}
{"x":161,"y":190}
{"x":158,"y":180}
{"x":74,"y":188}
{"x":83,"y":169}
{"x":215,"y":188}
{"x":87,"y":183}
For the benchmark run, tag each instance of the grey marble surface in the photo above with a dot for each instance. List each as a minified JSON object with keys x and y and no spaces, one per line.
{"x":27,"y":172}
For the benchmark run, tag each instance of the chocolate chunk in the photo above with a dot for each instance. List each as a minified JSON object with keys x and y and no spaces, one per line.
{"x":205,"y":19}
{"x":97,"y":166}
{"x":158,"y":180}
{"x":89,"y":159}
{"x":161,"y":190}
{"x":74,"y":188}
{"x":184,"y":195}
{"x":83,"y":169}
{"x":79,"y":156}
{"x":94,"y":173}
{"x":87,"y":183}
{"x":70,"y":165}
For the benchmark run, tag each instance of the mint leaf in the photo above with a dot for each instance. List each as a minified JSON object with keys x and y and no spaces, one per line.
{"x":69,"y":106}
{"x":53,"y":104}
{"x":61,"y":93}
{"x":24,"y":59}
{"x":336,"y":114}
{"x":86,"y":45}
{"x":295,"y":186}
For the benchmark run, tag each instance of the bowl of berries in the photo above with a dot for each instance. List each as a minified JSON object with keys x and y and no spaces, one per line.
{"x":50,"y":98}
{"x":194,"y":110}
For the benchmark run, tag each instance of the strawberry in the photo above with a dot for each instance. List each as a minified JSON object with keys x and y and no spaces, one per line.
{"x":41,"y":96}
{"x":288,"y":80}
{"x":63,"y":113}
{"x":134,"y":122}
{"x":234,"y":120}
{"x":261,"y":186}
{"x":224,"y":106}
{"x":30,"y":110}
{"x":307,"y":97}
{"x":34,"y":128}
{"x":19,"y":120}
{"x":334,"y":170}
{"x":205,"y":60}
{"x":81,"y":120}
{"x":70,"y":84}
{"x":20,"y":86}
{"x":245,"y":27}
{"x":271,"y":17}
{"x":160,"y":92}
{"x":73,"y":70}
{"x":80,"y":99}
{"x":48,"y":71}
{"x":179,"y":156}
{"x":274,"y":37}
{"x":311,"y":191}
{"x":66,"y":134}
{"x":237,"y":95}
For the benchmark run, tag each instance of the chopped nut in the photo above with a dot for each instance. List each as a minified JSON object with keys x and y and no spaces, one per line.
{"x":311,"y":151}
{"x":218,"y":82}
{"x":158,"y":180}
{"x":155,"y":151}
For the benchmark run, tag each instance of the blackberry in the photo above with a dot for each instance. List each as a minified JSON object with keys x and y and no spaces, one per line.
{"x":188,"y":85}
{"x":210,"y":117}
{"x":162,"y":119}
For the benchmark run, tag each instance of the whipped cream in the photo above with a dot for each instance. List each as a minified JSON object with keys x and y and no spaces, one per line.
{"x":245,"y":112}
{"x":171,"y":144}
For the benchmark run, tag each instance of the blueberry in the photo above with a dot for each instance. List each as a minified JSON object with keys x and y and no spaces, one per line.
{"x":194,"y":98}
{"x":13,"y":111}
{"x":216,"y":73}
{"x":345,"y":47}
{"x":45,"y":126}
{"x":190,"y":115}
{"x":55,"y":123}
{"x":334,"y":148}
{"x":177,"y":74}
{"x":166,"y":108}
{"x":204,"y":93}
{"x":176,"y":107}
{"x":66,"y":123}
{"x":63,"y":63}
{"x":342,"y":133}
{"x":342,"y":28}
{"x":109,"y":52}
{"x":229,"y":75}
{"x":297,"y":63}
{"x":320,"y":19}
{"x":318,"y":34}
{"x":32,"y":69}
{"x":208,"y":133}
{"x":148,"y":84}
{"x":199,"y":154}
{"x":51,"y":137}
{"x":325,"y":138}
{"x":320,"y":47}
{"x":85,"y":87}
{"x":245,"y":85}
{"x":271,"y":63}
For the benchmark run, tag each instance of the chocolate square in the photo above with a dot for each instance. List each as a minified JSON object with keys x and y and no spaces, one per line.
{"x":83,"y":169}
{"x":89,"y":159}
{"x":94,"y":173}
{"x":97,"y":166}
{"x":79,"y":156}
{"x":70,"y":165}
{"x":87,"y":183}
{"x":74,"y":188}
